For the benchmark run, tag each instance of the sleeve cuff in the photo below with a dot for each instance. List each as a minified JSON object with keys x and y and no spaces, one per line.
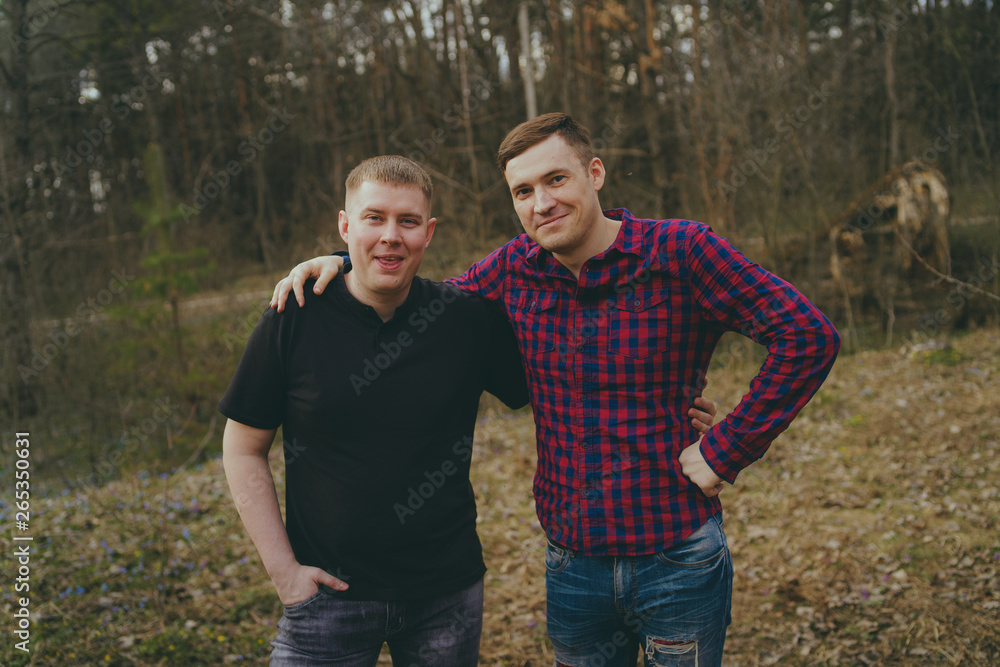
{"x":347,"y":260}
{"x":725,"y":459}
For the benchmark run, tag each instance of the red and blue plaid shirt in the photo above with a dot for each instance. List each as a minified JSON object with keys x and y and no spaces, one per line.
{"x":615,"y":358}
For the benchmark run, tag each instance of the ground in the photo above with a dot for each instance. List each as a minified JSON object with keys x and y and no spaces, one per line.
{"x":868,"y":534}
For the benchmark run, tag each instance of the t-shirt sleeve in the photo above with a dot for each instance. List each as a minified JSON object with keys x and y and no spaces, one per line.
{"x":256,"y":394}
{"x":504,"y":369}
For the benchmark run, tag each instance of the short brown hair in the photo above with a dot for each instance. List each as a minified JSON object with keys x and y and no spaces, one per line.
{"x":390,"y":170}
{"x":540,"y":128}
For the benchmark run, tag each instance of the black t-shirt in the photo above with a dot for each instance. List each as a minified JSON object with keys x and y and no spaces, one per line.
{"x":378,"y":419}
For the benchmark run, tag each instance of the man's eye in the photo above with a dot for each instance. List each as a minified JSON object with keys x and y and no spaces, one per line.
{"x":558,"y":179}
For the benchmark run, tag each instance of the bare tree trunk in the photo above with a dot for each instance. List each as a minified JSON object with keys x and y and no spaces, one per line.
{"x":699,"y":131}
{"x":562,"y":70}
{"x":15,"y":299}
{"x":649,"y":69}
{"x":531,"y":104}
{"x":890,"y":87}
{"x":470,"y":139}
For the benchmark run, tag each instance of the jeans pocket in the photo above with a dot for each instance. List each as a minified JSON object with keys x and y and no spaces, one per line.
{"x":296,"y":606}
{"x":556,"y":559}
{"x":702,"y":548}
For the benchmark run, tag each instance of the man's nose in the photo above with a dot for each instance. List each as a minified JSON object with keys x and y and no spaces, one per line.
{"x":390,"y":232}
{"x":543,"y":200}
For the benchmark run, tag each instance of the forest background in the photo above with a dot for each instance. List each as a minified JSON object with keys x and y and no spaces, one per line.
{"x":162,"y":164}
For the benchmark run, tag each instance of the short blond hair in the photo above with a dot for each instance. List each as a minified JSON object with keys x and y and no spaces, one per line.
{"x":390,"y":170}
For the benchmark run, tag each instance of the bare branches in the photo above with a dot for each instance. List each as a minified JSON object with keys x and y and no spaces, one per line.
{"x":946,"y":278}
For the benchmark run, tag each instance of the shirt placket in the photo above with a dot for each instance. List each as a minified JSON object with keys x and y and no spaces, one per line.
{"x":586,"y":388}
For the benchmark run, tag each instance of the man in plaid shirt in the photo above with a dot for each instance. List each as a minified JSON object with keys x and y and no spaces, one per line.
{"x":617,"y":318}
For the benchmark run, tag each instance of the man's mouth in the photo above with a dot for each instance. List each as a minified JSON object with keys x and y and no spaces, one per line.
{"x":389,"y":262}
{"x":549,"y":221}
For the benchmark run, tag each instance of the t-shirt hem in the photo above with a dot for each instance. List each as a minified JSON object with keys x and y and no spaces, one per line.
{"x":361,"y":594}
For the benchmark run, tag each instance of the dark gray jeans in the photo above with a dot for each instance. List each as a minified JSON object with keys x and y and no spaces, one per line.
{"x":430,"y":632}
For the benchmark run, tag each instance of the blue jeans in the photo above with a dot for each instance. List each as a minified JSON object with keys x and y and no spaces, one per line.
{"x":675,"y":605}
{"x":328,"y":630}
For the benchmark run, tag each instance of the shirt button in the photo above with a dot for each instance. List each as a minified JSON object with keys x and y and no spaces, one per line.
{"x":637,"y":302}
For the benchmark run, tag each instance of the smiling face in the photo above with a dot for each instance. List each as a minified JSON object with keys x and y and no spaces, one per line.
{"x":387,"y":227}
{"x":555,"y":196}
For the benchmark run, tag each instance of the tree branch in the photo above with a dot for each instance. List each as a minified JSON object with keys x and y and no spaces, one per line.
{"x":950,"y":279}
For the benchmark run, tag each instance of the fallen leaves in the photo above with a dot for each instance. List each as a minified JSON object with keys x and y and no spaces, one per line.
{"x":869,"y":534}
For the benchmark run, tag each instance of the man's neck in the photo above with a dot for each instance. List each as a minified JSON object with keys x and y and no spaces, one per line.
{"x":385,"y":305}
{"x":605,"y":233}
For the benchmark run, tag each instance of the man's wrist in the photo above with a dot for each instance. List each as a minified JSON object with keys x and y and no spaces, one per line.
{"x":345,"y":258}
{"x":283,"y":570}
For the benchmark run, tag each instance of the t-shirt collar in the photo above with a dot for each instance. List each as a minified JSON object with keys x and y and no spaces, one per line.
{"x":344,"y":295}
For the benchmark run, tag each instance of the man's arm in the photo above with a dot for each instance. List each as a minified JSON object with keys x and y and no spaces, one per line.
{"x":484,"y":278}
{"x":802,"y":345}
{"x":244,"y":456}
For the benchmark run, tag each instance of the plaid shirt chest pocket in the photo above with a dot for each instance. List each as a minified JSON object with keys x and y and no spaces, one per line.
{"x":536,"y":322}
{"x":639,"y":323}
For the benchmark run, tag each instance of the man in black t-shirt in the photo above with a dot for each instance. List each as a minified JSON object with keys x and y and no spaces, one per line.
{"x":376,"y":386}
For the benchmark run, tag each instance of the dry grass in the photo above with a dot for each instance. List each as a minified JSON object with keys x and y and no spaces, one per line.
{"x":867,"y":535}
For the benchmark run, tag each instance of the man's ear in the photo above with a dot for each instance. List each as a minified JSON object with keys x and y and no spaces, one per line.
{"x":431,"y":225}
{"x":342,"y":225}
{"x":597,"y":173}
